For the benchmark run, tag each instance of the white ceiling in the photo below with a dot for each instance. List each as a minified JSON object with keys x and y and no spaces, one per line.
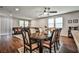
{"x":32,"y":12}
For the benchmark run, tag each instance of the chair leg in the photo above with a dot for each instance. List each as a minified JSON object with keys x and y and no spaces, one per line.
{"x":50,"y":50}
{"x":57,"y":45}
{"x":30,"y":51}
{"x":54,"y":48}
{"x":24,"y":49}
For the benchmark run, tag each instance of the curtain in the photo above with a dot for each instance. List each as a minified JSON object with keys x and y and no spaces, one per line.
{"x":5,"y":27}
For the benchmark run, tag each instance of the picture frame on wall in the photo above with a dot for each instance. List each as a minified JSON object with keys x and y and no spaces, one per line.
{"x":75,"y":20}
{"x":69,"y":21}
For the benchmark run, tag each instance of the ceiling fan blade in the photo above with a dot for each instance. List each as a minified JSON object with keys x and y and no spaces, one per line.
{"x":53,"y":12}
{"x":40,"y":14}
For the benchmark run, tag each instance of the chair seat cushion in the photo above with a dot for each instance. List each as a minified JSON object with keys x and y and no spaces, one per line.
{"x":46,"y":42}
{"x":34,"y":46}
{"x":19,"y":36}
{"x":46,"y":45}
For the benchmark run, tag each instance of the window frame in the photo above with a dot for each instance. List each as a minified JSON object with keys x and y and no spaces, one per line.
{"x":54,"y":23}
{"x":59,"y":23}
{"x":51,"y":23}
{"x":19,"y":23}
{"x":23,"y":23}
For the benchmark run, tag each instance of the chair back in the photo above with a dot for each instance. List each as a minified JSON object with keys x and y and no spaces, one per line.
{"x":25,"y":36}
{"x":52,"y":29}
{"x":54,"y":36}
{"x":16,"y":30}
{"x":32,"y":30}
{"x":40,"y":30}
{"x":58,"y":33}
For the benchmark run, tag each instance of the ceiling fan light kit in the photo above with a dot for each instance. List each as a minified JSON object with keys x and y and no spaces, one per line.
{"x":47,"y":11}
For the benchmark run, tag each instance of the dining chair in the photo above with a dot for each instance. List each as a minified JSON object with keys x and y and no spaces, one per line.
{"x":51,"y":42}
{"x":32,"y":30}
{"x":57,"y":38}
{"x":28,"y":44}
{"x":40,"y":30}
{"x":16,"y":30}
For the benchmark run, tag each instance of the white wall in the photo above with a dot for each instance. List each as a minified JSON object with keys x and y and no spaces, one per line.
{"x":34,"y":23}
{"x":70,"y":16}
{"x":39,"y":23}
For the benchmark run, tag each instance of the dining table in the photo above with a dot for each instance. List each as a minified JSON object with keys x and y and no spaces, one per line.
{"x":40,"y":37}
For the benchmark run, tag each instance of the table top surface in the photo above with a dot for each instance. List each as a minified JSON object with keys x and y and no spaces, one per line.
{"x":75,"y":34}
{"x":41,"y":35}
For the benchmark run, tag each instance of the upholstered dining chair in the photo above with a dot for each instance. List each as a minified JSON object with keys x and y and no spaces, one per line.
{"x":40,"y":30}
{"x":51,"y":42}
{"x":32,"y":30}
{"x":16,"y":30}
{"x":28,"y":44}
{"x":57,"y":38}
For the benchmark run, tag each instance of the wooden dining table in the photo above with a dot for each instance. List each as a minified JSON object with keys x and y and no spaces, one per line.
{"x":40,"y":37}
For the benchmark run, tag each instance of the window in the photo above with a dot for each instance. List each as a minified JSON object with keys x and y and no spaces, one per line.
{"x":23,"y":23}
{"x":50,"y":22}
{"x":26,"y":23}
{"x":59,"y":22}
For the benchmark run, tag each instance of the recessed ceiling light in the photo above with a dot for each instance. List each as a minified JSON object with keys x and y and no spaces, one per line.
{"x":17,"y":9}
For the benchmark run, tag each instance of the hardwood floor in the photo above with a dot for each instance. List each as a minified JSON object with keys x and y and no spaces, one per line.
{"x":67,"y":45}
{"x":11,"y":45}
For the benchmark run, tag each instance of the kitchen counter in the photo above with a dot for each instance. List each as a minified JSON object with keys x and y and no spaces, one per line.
{"x":75,"y":35}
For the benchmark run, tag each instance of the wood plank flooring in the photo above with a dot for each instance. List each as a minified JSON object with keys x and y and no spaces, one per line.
{"x":11,"y":45}
{"x":67,"y":45}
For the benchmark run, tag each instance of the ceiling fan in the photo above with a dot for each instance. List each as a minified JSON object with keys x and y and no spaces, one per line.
{"x":47,"y":10}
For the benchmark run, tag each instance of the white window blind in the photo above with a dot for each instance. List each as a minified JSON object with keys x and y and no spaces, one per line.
{"x":26,"y":23}
{"x":21,"y":23}
{"x":59,"y":22}
{"x":50,"y":22}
